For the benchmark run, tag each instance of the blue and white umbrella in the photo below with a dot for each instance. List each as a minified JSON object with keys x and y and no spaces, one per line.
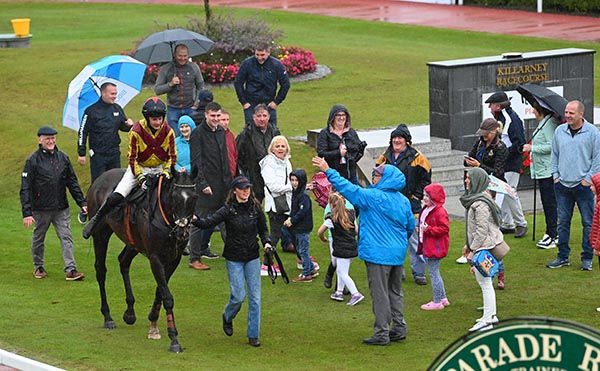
{"x":125,"y":72}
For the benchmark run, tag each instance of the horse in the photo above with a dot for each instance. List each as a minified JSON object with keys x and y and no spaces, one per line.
{"x":159,"y":230}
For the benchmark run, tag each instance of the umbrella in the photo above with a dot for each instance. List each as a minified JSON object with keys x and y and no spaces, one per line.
{"x":84,"y":90}
{"x":545,"y":97}
{"x":159,"y":46}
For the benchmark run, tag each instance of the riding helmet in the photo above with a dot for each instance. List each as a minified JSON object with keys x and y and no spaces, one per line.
{"x":154,"y":107}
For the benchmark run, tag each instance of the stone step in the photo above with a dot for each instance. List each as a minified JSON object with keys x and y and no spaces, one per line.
{"x":447,"y":173}
{"x":448,"y":158}
{"x":437,"y":145}
{"x":454,"y":187}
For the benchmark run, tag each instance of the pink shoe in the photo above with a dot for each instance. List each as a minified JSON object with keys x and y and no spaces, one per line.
{"x":445,"y":302}
{"x":432,"y":306}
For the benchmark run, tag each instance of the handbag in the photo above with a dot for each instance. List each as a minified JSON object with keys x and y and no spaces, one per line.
{"x":485,"y":263}
{"x":500,"y":250}
{"x":281,"y":204}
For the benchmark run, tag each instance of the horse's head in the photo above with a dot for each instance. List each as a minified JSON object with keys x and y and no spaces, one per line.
{"x":183,"y":201}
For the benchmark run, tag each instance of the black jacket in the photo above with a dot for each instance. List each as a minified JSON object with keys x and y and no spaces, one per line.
{"x":257,"y":83}
{"x":244,"y":222}
{"x":252,"y":145}
{"x":301,"y":210}
{"x":491,"y":158}
{"x":328,"y":145}
{"x":45,"y":180}
{"x":516,"y":134}
{"x":417,"y":170}
{"x":344,"y":241}
{"x":210,"y":165}
{"x":101,"y":123}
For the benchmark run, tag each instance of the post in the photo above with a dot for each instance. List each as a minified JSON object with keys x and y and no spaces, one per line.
{"x":539,"y":5}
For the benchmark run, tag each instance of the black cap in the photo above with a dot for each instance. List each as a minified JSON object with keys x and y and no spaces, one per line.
{"x":498,"y":97}
{"x":241,"y":182}
{"x":46,"y":130}
{"x":402,"y":131}
{"x":205,"y":96}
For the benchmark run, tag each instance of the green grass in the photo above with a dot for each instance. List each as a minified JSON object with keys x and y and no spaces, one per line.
{"x":380,"y":73}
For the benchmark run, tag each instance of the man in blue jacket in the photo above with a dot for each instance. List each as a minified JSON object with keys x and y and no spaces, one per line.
{"x":256,"y":83}
{"x":513,"y":136}
{"x":386,"y":222}
{"x":575,"y":158}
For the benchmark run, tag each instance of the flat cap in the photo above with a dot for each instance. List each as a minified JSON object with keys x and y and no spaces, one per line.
{"x":497,"y":97}
{"x":46,"y":130}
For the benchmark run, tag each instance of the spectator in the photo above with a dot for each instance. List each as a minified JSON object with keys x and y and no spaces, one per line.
{"x":232,"y":154}
{"x":210,"y":168}
{"x":101,"y":124}
{"x":482,"y":217}
{"x":385,"y":224}
{"x":417,"y":171}
{"x":181,"y":80}
{"x":540,"y":170}
{"x":256,"y":83}
{"x":47,"y":175}
{"x":434,"y":241}
{"x":300,"y":224}
{"x":513,"y":136}
{"x":245,"y":221}
{"x":204,"y":98}
{"x":575,"y":158}
{"x":339,"y":144}
{"x":182,"y":142}
{"x":275,"y":169}
{"x":252,"y":146}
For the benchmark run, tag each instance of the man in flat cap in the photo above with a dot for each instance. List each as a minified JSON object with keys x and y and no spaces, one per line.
{"x":47,"y":175}
{"x":513,"y":136}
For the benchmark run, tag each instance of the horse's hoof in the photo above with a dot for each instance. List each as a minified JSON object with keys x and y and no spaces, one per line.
{"x":175,"y":348}
{"x":154,"y":334}
{"x":111,"y":325}
{"x":129,"y":318}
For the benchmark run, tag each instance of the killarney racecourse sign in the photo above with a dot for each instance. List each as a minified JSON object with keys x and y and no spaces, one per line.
{"x":525,"y":344}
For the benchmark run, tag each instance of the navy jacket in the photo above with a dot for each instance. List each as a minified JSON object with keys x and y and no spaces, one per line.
{"x":516,"y":134}
{"x":257,"y":83}
{"x":101,"y":123}
{"x":301,"y":210}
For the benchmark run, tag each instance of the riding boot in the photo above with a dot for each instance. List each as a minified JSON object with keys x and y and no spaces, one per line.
{"x":113,"y":200}
{"x":329,"y":276}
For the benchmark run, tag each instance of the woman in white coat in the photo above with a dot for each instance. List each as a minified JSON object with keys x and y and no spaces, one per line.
{"x":275,"y":169}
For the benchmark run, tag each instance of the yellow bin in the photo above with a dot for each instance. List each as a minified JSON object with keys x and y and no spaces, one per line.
{"x":21,"y":26}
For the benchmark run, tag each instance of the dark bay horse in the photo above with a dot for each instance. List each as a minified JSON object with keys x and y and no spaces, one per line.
{"x":157,"y":228}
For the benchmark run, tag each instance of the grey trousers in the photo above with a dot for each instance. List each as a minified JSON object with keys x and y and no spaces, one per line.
{"x":385,"y":284}
{"x":61,"y":219}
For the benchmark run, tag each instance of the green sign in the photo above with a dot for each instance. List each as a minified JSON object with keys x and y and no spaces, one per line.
{"x":525,"y":344}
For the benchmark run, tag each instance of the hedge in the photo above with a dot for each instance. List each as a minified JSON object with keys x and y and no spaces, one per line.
{"x":589,"y":7}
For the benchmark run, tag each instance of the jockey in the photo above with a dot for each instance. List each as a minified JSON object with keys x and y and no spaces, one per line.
{"x":151,"y":152}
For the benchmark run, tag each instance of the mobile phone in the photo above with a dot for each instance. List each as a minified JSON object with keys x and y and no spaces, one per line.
{"x":466,"y":156}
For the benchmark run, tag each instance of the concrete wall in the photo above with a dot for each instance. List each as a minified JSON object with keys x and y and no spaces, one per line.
{"x":456,"y":87}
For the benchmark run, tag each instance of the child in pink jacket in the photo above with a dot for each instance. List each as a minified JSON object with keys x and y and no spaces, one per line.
{"x":434,"y":241}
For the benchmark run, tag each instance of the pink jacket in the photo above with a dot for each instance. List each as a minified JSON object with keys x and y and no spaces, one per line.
{"x":436,"y":237}
{"x":595,"y":232}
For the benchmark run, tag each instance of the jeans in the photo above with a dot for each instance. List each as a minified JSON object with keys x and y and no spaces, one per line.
{"x":566,"y":198}
{"x":247,"y":273}
{"x":173,"y":115}
{"x":302,"y":240}
{"x":385,"y":284}
{"x":249,"y":112}
{"x":417,"y":262}
{"x":61,"y":219}
{"x":511,"y":210}
{"x":100,"y":163}
{"x":437,"y":283}
{"x":200,"y":238}
{"x":549,"y":205}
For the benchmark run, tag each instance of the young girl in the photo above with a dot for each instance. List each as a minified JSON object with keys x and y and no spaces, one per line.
{"x":182,"y":142}
{"x":434,"y":240}
{"x":341,"y":222}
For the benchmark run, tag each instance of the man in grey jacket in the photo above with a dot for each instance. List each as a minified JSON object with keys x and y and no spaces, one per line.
{"x":181,"y":80}
{"x":575,"y":158}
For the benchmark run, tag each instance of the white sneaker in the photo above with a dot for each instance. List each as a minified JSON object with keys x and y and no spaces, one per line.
{"x":547,"y":242}
{"x":481,"y":326}
{"x":598,"y":309}
{"x":462,"y":260}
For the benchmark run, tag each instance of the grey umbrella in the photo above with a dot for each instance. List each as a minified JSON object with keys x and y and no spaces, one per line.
{"x":159,"y":46}
{"x":545,"y":97}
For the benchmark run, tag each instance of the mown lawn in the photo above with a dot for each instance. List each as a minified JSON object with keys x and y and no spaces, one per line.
{"x":379,"y":73}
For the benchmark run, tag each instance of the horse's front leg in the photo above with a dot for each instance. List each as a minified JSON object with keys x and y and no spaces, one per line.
{"x":125,"y":258}
{"x":154,"y":332}
{"x":101,"y":238}
{"x":160,"y":276}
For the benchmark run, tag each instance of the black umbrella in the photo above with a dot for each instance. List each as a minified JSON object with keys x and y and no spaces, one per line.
{"x":545,"y":97}
{"x":159,"y":46}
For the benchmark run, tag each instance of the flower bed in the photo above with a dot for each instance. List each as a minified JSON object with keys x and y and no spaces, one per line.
{"x":296,"y":61}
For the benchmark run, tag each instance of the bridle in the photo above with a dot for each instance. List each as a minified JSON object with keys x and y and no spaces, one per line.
{"x":179,"y":223}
